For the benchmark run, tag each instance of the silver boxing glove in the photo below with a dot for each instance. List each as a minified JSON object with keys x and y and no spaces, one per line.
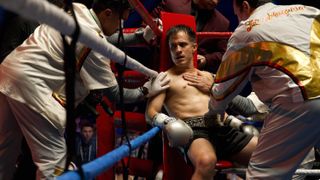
{"x":239,"y":124}
{"x":178,"y":133}
{"x":161,"y":120}
{"x":249,"y":129}
{"x":233,"y":122}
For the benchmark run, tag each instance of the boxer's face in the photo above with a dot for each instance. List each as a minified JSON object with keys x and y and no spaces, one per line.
{"x":181,"y":49}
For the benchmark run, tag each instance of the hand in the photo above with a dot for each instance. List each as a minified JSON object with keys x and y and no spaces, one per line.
{"x":242,"y":126}
{"x":148,"y":35}
{"x":201,"y":60}
{"x":233,"y":122}
{"x":200,"y":81}
{"x":158,"y":84}
{"x":178,"y":133}
{"x":213,"y":120}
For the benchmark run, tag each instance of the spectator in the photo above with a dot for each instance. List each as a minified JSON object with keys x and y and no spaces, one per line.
{"x":86,"y":144}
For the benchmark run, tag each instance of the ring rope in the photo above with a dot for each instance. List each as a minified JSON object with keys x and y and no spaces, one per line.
{"x":103,"y":163}
{"x":310,"y":172}
{"x":45,"y":12}
{"x":147,"y":18}
{"x":215,"y":35}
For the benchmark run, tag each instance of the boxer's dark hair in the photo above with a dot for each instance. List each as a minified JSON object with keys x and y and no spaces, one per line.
{"x":181,"y":27}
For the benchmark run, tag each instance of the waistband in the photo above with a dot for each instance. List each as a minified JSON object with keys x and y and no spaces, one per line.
{"x":195,"y":121}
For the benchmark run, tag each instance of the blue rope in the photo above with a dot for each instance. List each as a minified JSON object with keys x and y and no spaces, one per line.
{"x":103,"y":163}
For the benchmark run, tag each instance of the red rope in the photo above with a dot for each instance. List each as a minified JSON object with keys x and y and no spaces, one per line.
{"x":138,"y":6}
{"x":218,"y":35}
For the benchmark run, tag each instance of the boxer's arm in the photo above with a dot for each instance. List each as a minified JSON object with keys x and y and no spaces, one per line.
{"x":154,"y":106}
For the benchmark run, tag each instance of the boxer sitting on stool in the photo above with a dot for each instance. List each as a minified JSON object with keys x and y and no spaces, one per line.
{"x":202,"y":145}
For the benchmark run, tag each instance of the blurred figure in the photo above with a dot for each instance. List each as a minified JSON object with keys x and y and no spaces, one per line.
{"x":209,"y":19}
{"x":86,"y":144}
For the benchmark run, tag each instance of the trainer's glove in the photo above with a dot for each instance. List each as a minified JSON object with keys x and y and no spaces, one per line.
{"x":238,"y":124}
{"x":156,"y":85}
{"x":178,"y":132}
{"x":148,"y":35}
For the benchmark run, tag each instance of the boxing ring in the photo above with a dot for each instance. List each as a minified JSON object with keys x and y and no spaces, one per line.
{"x":99,"y":165}
{"x":44,"y":12}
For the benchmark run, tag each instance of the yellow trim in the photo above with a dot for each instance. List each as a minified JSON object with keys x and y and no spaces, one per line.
{"x":58,"y":171}
{"x":315,"y":52}
{"x":304,"y":70}
{"x":83,"y":54}
{"x":61,"y":100}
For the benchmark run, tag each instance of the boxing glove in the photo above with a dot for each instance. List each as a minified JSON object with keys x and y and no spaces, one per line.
{"x":161,"y":120}
{"x":238,"y":124}
{"x":249,"y":129}
{"x":233,"y":122}
{"x":178,"y":132}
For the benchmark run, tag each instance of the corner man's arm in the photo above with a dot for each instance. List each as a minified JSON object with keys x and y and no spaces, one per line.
{"x":223,"y":93}
{"x":129,"y":39}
